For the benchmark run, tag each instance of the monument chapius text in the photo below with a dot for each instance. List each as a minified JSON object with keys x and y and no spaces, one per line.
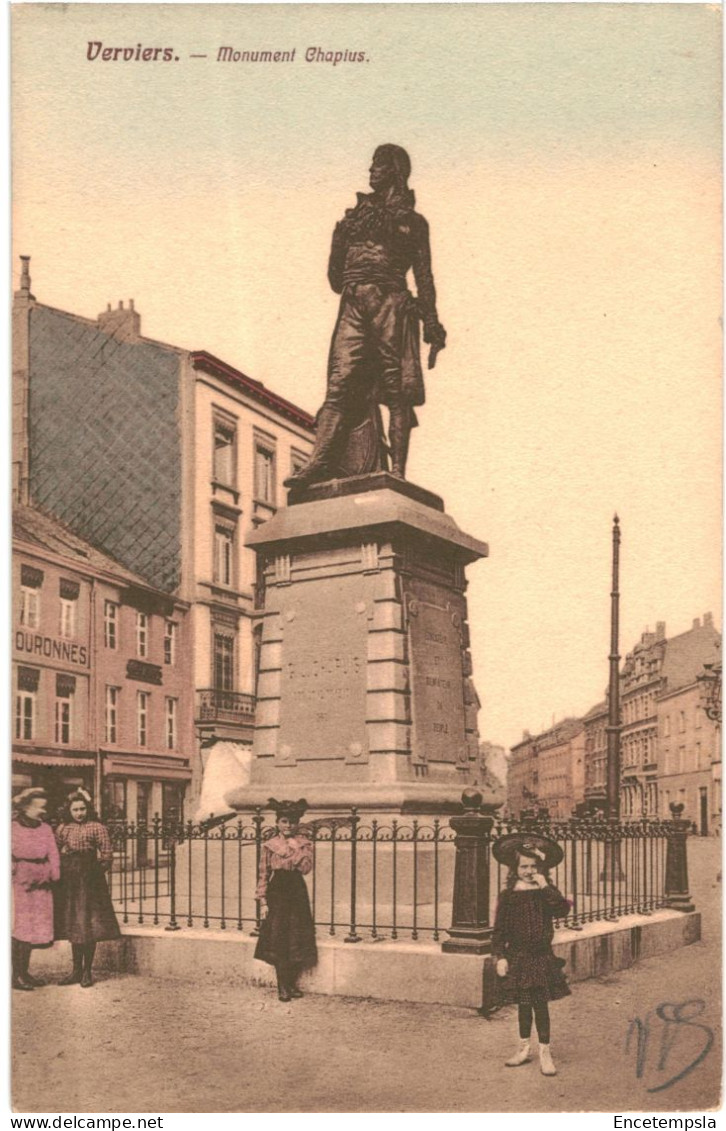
{"x":364,"y":693}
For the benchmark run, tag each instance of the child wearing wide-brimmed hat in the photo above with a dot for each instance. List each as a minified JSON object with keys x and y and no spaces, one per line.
{"x":529,"y":974}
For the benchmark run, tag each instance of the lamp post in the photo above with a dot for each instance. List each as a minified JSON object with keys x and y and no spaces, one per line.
{"x":709,"y":682}
{"x":613,"y":727}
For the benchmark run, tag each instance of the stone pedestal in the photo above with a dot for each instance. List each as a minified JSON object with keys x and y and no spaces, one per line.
{"x":365,"y":695}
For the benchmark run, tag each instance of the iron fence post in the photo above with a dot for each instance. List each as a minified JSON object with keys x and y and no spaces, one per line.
{"x":257,"y":821}
{"x":157,"y":846}
{"x":172,"y":925}
{"x":353,"y":936}
{"x":470,"y":932}
{"x":676,"y":869}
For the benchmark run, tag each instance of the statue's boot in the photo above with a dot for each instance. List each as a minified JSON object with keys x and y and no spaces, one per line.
{"x":399,"y":434}
{"x":326,"y":435}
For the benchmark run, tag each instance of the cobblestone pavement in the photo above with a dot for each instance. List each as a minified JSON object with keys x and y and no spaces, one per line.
{"x":136,"y":1044}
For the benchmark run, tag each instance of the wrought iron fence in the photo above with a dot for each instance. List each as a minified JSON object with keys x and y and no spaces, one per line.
{"x":375,"y":879}
{"x":608,"y":869}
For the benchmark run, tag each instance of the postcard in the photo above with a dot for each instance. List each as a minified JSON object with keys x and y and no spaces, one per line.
{"x":366,"y":561}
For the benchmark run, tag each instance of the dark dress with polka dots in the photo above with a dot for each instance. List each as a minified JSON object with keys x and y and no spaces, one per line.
{"x":523,"y":933}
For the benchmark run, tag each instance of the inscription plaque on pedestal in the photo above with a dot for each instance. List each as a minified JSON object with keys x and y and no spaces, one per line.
{"x":437,"y":700}
{"x":323,"y":676}
{"x":365,"y":688}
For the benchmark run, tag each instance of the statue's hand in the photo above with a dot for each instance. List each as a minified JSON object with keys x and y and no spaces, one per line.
{"x":435,"y":335}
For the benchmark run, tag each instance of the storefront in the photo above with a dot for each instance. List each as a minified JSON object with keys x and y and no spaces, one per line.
{"x":57,"y":774}
{"x":138,"y":789}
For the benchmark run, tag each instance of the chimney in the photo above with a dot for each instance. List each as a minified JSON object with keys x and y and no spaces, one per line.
{"x":24,"y":290}
{"x":696,"y":623}
{"x":708,"y":620}
{"x":660,"y":630}
{"x":23,"y":303}
{"x":122,"y":323}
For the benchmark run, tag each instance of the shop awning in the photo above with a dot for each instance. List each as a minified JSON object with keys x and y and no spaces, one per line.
{"x":28,"y":758}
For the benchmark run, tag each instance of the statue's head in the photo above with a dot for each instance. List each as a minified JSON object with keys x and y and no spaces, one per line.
{"x":391,"y":167}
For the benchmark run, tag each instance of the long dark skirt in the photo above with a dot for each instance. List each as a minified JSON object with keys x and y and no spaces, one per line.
{"x":287,"y":934}
{"x":83,"y":909}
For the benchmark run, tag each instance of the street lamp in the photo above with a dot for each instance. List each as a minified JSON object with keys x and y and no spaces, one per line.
{"x":710,"y":688}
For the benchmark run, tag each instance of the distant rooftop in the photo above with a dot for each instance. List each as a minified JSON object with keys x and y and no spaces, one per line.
{"x":32,"y":526}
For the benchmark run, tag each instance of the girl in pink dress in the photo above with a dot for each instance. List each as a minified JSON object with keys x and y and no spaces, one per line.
{"x":36,"y":865}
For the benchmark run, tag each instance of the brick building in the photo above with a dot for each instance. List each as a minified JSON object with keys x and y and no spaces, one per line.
{"x":161,"y":458}
{"x":101,"y":676}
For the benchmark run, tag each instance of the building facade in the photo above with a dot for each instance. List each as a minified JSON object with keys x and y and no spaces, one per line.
{"x":162,"y":458}
{"x":595,"y":758}
{"x":494,"y":765}
{"x":547,"y":770}
{"x":669,"y":750}
{"x":689,"y":743}
{"x":640,"y":683}
{"x":102,"y":694}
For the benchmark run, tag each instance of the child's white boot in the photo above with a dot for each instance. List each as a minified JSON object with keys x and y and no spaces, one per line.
{"x":521,"y":1056}
{"x":545,"y":1061}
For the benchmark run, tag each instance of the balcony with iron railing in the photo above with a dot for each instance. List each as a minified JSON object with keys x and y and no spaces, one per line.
{"x":215,"y":705}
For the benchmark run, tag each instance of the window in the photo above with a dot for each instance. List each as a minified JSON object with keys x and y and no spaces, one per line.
{"x":69,"y":593}
{"x":698,"y":756}
{"x":112,"y":697}
{"x":172,"y":804}
{"x":142,"y":635}
{"x":25,"y":706}
{"x":31,"y":580}
{"x":223,"y":662}
{"x":67,"y":628}
{"x":65,"y":687}
{"x":25,"y":715}
{"x":667,"y":726}
{"x":681,"y":721}
{"x":110,"y":624}
{"x":29,"y":607}
{"x":699,"y":717}
{"x":169,"y":642}
{"x":171,"y":717}
{"x":223,"y":555}
{"x":142,"y":717}
{"x":224,"y":452}
{"x":63,"y":720}
{"x":264,"y":474}
{"x":114,"y":799}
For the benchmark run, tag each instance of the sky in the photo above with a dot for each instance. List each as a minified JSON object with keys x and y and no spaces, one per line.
{"x":567,"y":158}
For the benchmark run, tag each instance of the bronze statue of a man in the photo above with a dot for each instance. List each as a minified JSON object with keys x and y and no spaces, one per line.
{"x":374,"y":354}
